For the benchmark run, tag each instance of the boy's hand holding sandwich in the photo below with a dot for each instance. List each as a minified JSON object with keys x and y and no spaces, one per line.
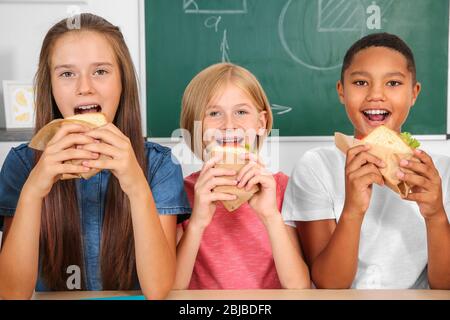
{"x":426,"y":182}
{"x":362,"y":169}
{"x":393,"y":158}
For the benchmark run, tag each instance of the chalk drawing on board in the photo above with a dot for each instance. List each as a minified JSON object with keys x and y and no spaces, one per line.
{"x":213,"y":22}
{"x":208,"y":7}
{"x":279,"y":109}
{"x":320,"y":47}
{"x":339,"y":15}
{"x":224,"y":47}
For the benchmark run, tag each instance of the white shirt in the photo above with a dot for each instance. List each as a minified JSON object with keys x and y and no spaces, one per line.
{"x":393,"y":244}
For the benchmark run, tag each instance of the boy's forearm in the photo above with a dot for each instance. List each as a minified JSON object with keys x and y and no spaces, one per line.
{"x":187,"y":251}
{"x":19,"y":255}
{"x":336,"y":265}
{"x":292,"y":270}
{"x":438,"y":241}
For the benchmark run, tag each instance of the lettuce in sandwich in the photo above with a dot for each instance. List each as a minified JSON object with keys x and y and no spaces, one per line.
{"x":410,"y":140}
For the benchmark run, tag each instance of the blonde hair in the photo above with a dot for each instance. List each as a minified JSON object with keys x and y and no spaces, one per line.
{"x":205,"y":86}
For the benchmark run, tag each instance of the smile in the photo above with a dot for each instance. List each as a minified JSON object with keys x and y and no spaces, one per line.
{"x":230,"y":141}
{"x":376,"y":116}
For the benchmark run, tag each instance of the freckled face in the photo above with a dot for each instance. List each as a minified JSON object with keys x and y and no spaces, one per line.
{"x":234,"y":116}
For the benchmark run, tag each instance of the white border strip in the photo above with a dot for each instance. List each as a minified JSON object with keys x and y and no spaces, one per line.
{"x":440,"y":137}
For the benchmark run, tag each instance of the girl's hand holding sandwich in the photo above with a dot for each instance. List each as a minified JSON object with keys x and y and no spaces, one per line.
{"x":427,"y":186}
{"x":361,"y":171}
{"x":264,"y":202}
{"x":205,"y":197}
{"x":122,"y":163}
{"x":51,"y":163}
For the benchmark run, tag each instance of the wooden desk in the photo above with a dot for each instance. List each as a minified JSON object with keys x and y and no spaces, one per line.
{"x":312,"y":294}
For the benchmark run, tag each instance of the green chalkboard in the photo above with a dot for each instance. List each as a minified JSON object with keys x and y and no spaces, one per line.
{"x":295,"y":48}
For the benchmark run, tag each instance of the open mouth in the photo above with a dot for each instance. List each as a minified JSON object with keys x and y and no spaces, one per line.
{"x":87,"y":108}
{"x":376,"y":115}
{"x":230,"y":141}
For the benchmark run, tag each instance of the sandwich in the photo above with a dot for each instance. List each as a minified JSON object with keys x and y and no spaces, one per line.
{"x":390,"y":147}
{"x":231,"y":159}
{"x":45,"y":134}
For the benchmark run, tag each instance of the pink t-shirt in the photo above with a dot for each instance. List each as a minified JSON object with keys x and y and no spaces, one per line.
{"x":235,"y":251}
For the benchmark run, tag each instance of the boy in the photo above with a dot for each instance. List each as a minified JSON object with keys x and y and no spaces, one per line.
{"x":355,"y":232}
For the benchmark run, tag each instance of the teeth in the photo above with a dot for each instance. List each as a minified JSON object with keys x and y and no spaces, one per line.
{"x":91,"y":106}
{"x":227,"y":140}
{"x":375,"y":111}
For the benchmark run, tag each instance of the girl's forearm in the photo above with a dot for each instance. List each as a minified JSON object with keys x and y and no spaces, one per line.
{"x":187,"y":250}
{"x":335,"y":267}
{"x":19,"y":255}
{"x":155,"y":260}
{"x":292,"y":271}
{"x":438,"y":243}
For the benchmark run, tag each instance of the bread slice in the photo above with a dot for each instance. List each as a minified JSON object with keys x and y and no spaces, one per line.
{"x":41,"y":139}
{"x":231,"y":160}
{"x":388,"y":146}
{"x":97,"y":119}
{"x":391,"y":148}
{"x":385,"y":137}
{"x":230,"y":155}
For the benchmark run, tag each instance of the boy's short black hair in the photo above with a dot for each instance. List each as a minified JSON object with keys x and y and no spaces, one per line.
{"x":383,"y":39}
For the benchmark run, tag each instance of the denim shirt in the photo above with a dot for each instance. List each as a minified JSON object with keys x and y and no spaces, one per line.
{"x":164,"y":177}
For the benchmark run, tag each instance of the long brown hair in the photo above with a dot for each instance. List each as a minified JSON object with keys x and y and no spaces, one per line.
{"x":61,"y":243}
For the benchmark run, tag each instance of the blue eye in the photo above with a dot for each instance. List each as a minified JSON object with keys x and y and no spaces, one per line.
{"x":213,"y":113}
{"x":393,"y":83}
{"x":66,"y":74}
{"x":242,"y":112}
{"x":360,"y":83}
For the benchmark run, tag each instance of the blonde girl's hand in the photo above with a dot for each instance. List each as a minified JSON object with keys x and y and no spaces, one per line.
{"x":264,"y":202}
{"x":205,"y":197}
{"x":426,"y":182}
{"x":51,"y":164}
{"x":120,"y":157}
